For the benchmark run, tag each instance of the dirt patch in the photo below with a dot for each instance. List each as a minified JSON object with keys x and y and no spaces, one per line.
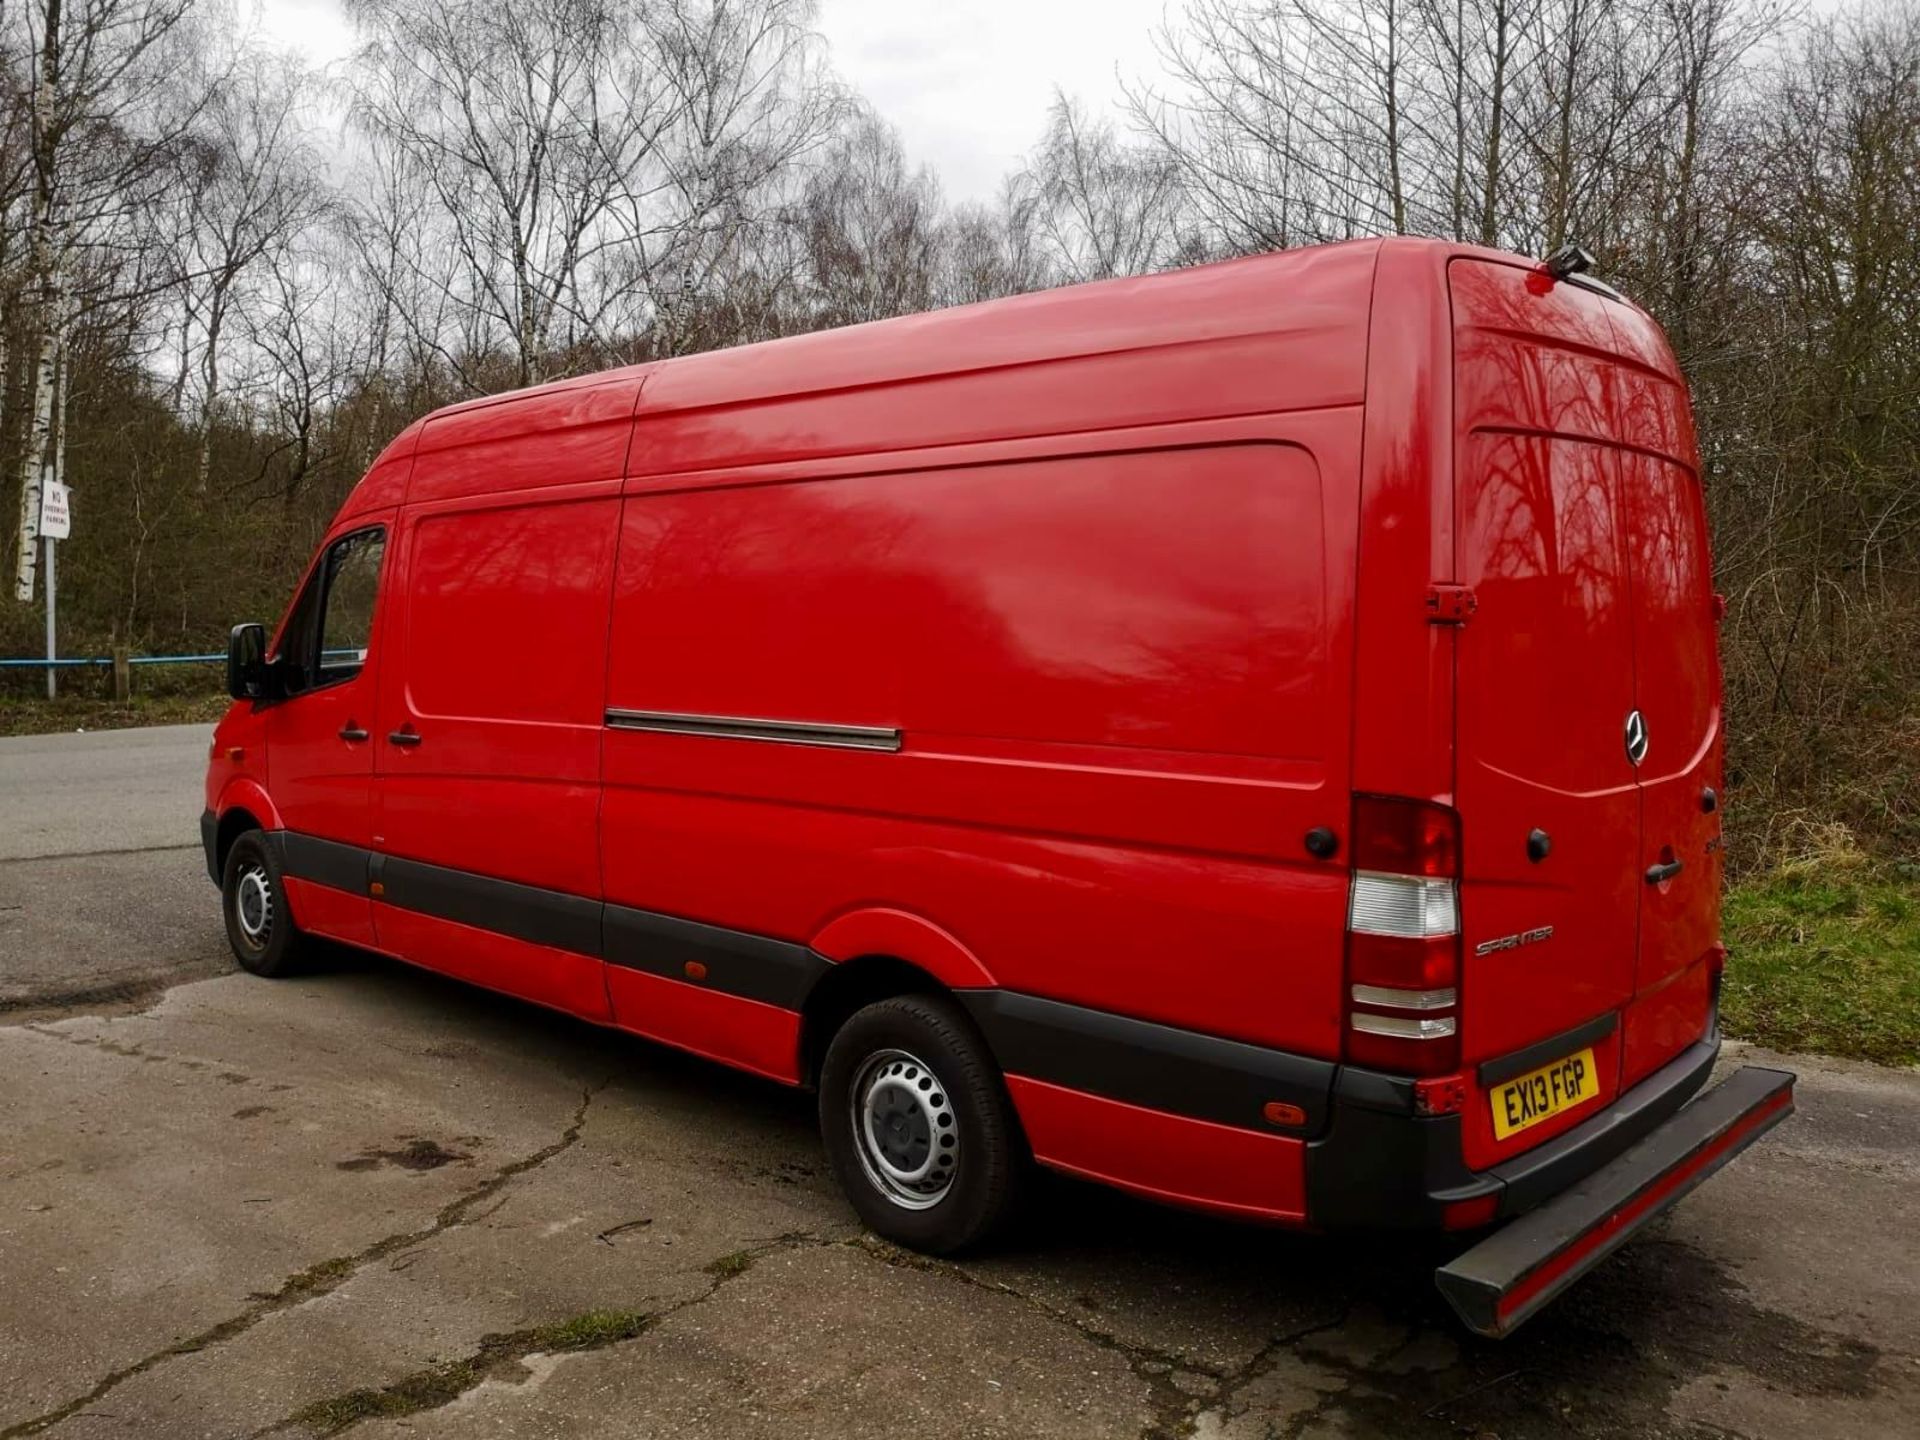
{"x":415,"y":1153}
{"x":107,"y":998}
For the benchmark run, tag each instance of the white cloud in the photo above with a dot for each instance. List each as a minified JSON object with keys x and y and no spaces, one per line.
{"x":966,"y":81}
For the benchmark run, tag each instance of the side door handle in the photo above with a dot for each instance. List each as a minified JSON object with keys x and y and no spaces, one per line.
{"x":1658,"y":873}
{"x":406,"y":736}
{"x":352,"y":732}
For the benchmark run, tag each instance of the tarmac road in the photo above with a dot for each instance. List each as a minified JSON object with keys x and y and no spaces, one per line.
{"x":371,"y":1199}
{"x":103,"y":891}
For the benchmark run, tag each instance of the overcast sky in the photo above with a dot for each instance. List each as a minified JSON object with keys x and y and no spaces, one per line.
{"x":966,"y":81}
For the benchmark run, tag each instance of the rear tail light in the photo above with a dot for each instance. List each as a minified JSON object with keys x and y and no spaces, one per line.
{"x":1403,"y":937}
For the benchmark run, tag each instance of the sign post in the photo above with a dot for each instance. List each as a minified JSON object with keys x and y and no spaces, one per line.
{"x":56,"y":523}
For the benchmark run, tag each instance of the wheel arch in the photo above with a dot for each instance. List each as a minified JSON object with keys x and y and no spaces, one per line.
{"x":848,"y":987}
{"x":878,"y":952}
{"x":244,"y":805}
{"x":880,"y":930}
{"x":234,"y":822}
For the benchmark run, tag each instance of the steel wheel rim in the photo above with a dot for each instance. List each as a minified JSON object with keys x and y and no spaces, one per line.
{"x":905,"y":1129}
{"x":253,"y":906}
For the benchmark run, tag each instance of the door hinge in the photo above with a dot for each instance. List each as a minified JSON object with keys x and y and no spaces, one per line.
{"x":1450,"y":604}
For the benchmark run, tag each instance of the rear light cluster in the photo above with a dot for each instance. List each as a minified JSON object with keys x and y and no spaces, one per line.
{"x":1403,"y":937}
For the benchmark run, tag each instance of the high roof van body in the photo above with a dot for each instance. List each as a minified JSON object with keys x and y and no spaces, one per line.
{"x":1250,"y":736}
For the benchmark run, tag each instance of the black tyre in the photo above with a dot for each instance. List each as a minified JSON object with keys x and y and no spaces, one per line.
{"x":918,"y":1125}
{"x":259,"y":925}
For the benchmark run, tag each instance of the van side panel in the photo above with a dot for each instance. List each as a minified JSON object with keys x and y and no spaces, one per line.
{"x":561,"y":979}
{"x":1117,"y":680}
{"x":1221,"y":1169}
{"x":749,"y":1034}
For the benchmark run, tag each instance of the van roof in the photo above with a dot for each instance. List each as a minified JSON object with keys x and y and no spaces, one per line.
{"x":1200,"y":301}
{"x":1203,"y":302}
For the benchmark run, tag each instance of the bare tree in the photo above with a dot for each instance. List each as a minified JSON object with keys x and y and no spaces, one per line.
{"x":750,"y":102}
{"x":247,"y":183}
{"x":870,"y":227}
{"x":1098,"y":206}
{"x":592,"y":164}
{"x":100,"y":121}
{"x":990,"y":251}
{"x":523,"y":123}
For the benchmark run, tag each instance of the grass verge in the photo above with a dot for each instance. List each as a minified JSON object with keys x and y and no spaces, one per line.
{"x":23,"y":716}
{"x":441,"y":1384}
{"x":1826,"y":957}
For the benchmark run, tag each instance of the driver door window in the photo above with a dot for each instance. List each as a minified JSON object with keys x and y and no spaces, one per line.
{"x":331,"y":626}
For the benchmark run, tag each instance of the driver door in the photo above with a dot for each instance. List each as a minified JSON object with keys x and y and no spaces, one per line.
{"x":319,"y":751}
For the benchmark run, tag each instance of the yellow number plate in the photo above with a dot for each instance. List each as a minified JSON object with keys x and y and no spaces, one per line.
{"x":1543,"y":1093}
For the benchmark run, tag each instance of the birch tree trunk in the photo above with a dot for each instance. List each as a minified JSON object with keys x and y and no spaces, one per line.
{"x":33,"y":463}
{"x":44,"y":258}
{"x":209,"y":398}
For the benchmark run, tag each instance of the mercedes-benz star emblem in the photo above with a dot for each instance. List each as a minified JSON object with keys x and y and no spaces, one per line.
{"x":1636,"y":736}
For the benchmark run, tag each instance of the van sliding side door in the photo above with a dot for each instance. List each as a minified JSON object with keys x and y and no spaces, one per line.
{"x":488,"y":756}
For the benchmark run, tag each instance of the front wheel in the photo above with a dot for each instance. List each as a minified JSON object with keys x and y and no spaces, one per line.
{"x":259,"y":926}
{"x":918,"y":1125}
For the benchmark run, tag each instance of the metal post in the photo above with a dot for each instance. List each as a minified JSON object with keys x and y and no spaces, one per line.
{"x":52,"y":601}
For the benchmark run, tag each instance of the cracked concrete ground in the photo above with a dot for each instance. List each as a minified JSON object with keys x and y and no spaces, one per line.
{"x":376,"y":1202}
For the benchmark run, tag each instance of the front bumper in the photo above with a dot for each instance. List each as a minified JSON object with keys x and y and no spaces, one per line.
{"x":210,"y":842}
{"x":1509,"y":1276}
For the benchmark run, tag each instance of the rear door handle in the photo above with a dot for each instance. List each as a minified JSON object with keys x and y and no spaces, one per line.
{"x":353,"y":732}
{"x":408,"y":736}
{"x":1658,"y":873}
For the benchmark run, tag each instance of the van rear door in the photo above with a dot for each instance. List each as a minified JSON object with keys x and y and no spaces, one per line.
{"x":1587,"y":703}
{"x":1551,"y":825}
{"x":1550,"y":815}
{"x":1677,"y":693}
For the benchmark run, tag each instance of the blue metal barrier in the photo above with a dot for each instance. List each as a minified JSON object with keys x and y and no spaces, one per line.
{"x":63,"y":663}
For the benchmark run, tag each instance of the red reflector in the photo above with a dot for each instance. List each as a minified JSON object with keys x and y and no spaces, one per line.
{"x":1403,"y":964}
{"x":695,"y":970}
{"x":1401,"y":1056}
{"x":1279,"y":1112}
{"x":1469,"y":1214}
{"x":1444,"y":1095}
{"x":1405,"y":837}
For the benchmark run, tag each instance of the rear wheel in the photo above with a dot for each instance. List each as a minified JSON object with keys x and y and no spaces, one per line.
{"x":259,"y":926}
{"x":918,"y":1124}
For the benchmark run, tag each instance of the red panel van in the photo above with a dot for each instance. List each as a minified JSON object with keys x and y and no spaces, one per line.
{"x":1249,"y":735}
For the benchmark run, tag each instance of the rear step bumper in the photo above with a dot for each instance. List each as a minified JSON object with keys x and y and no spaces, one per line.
{"x":1506,"y":1278}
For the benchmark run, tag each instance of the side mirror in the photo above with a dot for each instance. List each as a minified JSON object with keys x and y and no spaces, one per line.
{"x":247,"y":662}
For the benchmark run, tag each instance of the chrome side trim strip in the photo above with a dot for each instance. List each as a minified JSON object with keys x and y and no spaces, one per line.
{"x":732,"y":727}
